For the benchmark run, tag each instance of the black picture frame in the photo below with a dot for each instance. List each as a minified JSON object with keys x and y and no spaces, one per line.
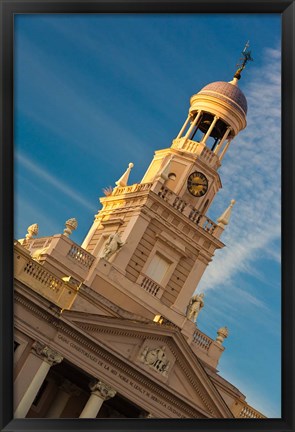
{"x":287,"y":11}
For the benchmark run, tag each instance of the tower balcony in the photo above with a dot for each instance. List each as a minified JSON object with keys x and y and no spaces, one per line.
{"x":187,"y":210}
{"x":198,"y":148}
{"x":171,"y":198}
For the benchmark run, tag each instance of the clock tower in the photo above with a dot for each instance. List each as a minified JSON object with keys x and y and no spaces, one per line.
{"x":216,"y":115}
{"x":153,"y":238}
{"x":110,"y":329}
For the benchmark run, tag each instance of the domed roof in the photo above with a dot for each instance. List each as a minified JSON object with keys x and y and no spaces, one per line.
{"x":227,"y":92}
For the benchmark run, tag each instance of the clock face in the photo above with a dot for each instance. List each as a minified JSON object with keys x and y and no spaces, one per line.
{"x":197,"y":184}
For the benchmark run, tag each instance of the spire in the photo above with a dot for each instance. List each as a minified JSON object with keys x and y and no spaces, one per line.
{"x":124,"y":179}
{"x":246,"y":53}
{"x":225,"y":217}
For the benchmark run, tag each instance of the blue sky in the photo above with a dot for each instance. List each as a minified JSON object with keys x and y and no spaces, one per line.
{"x":95,"y":92}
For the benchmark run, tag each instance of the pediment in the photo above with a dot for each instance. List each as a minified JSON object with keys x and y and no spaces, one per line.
{"x":160,"y":353}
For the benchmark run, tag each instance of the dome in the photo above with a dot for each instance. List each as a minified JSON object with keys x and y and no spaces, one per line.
{"x":227,"y":92}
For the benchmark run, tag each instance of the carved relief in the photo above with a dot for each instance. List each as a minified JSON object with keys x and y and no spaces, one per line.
{"x":156,"y":359}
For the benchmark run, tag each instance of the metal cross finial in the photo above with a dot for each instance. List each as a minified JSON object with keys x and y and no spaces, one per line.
{"x":246,"y":53}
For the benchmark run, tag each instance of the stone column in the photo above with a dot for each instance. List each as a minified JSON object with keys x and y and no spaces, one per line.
{"x":196,"y":119}
{"x":65,"y":391}
{"x":50,"y":358}
{"x":228,"y":130}
{"x":210,"y":130}
{"x":183,"y":127}
{"x":99,"y":393}
{"x":225,"y":149}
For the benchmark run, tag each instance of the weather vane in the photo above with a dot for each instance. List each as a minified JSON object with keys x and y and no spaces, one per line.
{"x":246,"y":53}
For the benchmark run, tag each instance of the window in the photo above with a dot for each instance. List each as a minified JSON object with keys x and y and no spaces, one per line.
{"x":157,"y":268}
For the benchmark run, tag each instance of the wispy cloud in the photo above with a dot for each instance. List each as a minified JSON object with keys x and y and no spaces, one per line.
{"x":251,"y":175}
{"x":43,"y":174}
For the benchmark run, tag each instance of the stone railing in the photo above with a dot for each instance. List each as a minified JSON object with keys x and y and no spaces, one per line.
{"x":41,"y":280}
{"x":187,"y":210}
{"x":65,"y":252}
{"x":38,"y":243}
{"x":201,"y":340}
{"x":138,"y":187}
{"x":81,"y":256}
{"x":243,"y":410}
{"x":197,"y":148}
{"x":46,"y":279}
{"x":150,"y":286}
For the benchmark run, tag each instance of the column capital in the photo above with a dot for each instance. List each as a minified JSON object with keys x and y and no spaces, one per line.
{"x":102,"y":390}
{"x":47,"y":354}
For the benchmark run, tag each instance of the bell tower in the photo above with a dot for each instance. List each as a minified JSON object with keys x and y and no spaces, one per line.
{"x":154,"y":237}
{"x":216,"y":115}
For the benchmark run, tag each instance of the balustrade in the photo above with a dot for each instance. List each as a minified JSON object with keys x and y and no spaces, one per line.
{"x":179,"y":204}
{"x":151,"y":286}
{"x":38,"y":243}
{"x":248,"y":412}
{"x":81,"y":256}
{"x":43,"y":276}
{"x":209,"y":225}
{"x":165,"y":193}
{"x":203,"y":341}
{"x":41,"y":280}
{"x":168,"y":196}
{"x":194,"y":215}
{"x":141,"y":187}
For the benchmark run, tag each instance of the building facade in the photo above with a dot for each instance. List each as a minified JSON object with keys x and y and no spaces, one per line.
{"x":108,"y":329}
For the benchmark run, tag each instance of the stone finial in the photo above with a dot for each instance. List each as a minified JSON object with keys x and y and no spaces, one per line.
{"x":225,"y":217}
{"x":71,"y":225}
{"x":32,"y":231}
{"x":124,"y":179}
{"x":222,"y":334}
